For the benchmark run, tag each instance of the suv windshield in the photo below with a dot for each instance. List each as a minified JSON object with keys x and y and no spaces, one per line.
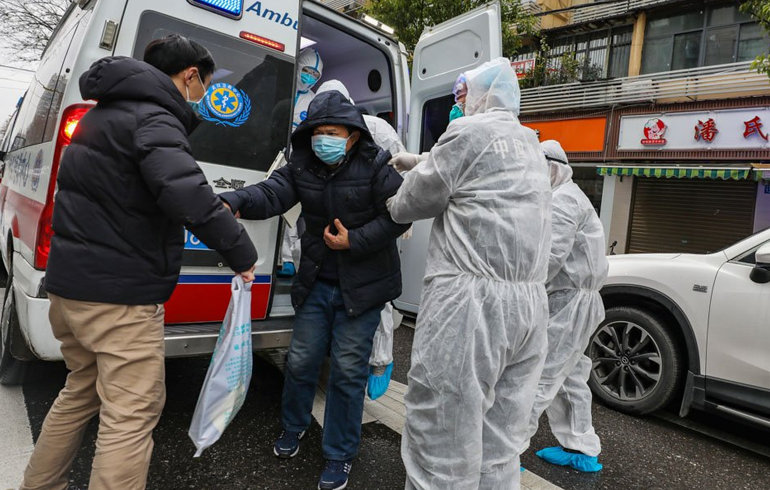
{"x":245,"y":127}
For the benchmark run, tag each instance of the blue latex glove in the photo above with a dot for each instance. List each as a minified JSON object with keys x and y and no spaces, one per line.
{"x":579,"y":461}
{"x":378,"y":382}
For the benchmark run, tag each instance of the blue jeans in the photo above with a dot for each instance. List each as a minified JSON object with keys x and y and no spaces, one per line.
{"x":322,"y":322}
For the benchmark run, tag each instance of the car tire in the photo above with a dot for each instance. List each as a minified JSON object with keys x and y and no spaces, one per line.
{"x":12,"y":370}
{"x":645,"y":373}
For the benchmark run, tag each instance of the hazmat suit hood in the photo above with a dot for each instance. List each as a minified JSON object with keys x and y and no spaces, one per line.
{"x":561,"y":172}
{"x":308,"y":58}
{"x":335,"y":85}
{"x":493,"y":86}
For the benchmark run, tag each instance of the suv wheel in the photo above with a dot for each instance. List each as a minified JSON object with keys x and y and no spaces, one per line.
{"x":637,"y":366}
{"x":12,"y":370}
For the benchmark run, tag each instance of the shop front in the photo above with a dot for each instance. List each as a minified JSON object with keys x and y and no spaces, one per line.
{"x":690,"y":178}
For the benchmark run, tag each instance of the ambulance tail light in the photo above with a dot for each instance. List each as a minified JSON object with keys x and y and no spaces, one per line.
{"x":263,"y":41}
{"x":71,"y":117}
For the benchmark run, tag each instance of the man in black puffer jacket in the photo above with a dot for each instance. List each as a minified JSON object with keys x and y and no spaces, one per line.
{"x":349,"y":269}
{"x":128,"y":184}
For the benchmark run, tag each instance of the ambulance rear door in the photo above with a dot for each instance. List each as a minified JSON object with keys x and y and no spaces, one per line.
{"x":442,"y":54}
{"x":246,"y":120}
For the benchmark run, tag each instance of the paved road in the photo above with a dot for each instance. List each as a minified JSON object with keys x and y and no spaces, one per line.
{"x":639,"y":453}
{"x":650,"y":453}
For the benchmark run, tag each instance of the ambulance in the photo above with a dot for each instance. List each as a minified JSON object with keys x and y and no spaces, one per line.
{"x":255,"y":45}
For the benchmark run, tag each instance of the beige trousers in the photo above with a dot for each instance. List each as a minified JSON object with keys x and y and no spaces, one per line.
{"x":115,"y":354}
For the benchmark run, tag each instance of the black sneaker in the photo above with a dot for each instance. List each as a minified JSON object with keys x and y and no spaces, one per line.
{"x":335,"y":475}
{"x":287,"y":446}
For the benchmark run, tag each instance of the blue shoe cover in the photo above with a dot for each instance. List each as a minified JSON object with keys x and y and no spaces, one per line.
{"x":288,"y":270}
{"x":378,"y":385}
{"x":521,"y":468}
{"x":581,"y":462}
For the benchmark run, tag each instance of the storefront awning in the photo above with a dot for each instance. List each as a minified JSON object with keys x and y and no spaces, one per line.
{"x":681,"y":173}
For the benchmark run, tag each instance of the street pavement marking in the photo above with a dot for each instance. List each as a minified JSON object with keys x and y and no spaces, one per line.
{"x":16,"y":437}
{"x":389,"y":410}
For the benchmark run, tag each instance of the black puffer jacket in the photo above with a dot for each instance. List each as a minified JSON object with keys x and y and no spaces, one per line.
{"x":355,"y":193}
{"x":127,"y":186}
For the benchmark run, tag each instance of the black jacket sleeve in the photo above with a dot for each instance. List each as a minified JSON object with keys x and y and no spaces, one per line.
{"x":273,"y":197}
{"x":380,"y":232}
{"x":183,"y":193}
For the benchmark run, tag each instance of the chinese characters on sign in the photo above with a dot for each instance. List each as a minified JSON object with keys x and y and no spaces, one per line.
{"x":706,"y":130}
{"x":754,"y":127}
{"x":724,"y":129}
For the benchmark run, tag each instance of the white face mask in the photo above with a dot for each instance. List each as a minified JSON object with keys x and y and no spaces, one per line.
{"x":194,"y":103}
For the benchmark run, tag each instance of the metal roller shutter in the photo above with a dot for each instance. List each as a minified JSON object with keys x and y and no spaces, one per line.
{"x":690,"y":215}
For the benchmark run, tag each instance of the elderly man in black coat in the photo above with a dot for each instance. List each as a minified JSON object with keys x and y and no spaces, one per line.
{"x":350,"y":268}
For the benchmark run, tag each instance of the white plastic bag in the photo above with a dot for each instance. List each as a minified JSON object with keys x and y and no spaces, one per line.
{"x":382,"y":346}
{"x":229,"y":374}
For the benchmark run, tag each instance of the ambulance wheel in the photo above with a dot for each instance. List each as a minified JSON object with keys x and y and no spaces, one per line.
{"x":12,"y":370}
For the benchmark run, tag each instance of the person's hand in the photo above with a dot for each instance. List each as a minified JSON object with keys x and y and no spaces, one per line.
{"x":404,"y":162}
{"x":237,"y":215}
{"x":340,"y":241}
{"x":248,"y":276}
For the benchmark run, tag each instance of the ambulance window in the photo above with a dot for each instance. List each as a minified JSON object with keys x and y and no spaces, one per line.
{"x":246,"y":114}
{"x":435,"y":119}
{"x":44,"y":89}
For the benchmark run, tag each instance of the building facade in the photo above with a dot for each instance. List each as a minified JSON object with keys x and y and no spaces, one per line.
{"x":665,"y":125}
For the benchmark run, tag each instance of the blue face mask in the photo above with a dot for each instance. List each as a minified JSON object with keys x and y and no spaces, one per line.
{"x":330,"y":149}
{"x":456,"y":113}
{"x":308,"y":80}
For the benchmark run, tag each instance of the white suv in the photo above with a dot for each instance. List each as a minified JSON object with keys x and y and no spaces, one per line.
{"x":689,"y":327}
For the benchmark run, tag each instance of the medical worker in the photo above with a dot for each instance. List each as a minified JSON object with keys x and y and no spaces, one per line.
{"x":310,"y":70}
{"x":480,"y":339}
{"x":576,"y":272}
{"x":460,"y":91}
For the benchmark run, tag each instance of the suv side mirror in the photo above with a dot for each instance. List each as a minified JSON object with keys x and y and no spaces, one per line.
{"x":761,"y":272}
{"x":2,"y":155}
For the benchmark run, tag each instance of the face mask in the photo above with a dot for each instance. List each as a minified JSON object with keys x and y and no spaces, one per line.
{"x":308,"y":81}
{"x":195,"y":103}
{"x":456,"y":113}
{"x":330,"y":149}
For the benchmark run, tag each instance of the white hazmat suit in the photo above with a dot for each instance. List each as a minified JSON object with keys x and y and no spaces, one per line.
{"x":480,"y":338}
{"x":386,"y":138}
{"x":311,"y":59}
{"x":576,"y":272}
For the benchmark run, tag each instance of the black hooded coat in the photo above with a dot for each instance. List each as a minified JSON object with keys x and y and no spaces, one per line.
{"x":128,"y":185}
{"x":355,"y":192}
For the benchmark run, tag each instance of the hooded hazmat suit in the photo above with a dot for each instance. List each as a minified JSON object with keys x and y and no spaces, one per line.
{"x":577,"y":270}
{"x":480,"y":338}
{"x":311,"y":59}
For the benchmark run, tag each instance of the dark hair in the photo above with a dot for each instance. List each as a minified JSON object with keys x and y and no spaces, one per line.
{"x":172,"y":54}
